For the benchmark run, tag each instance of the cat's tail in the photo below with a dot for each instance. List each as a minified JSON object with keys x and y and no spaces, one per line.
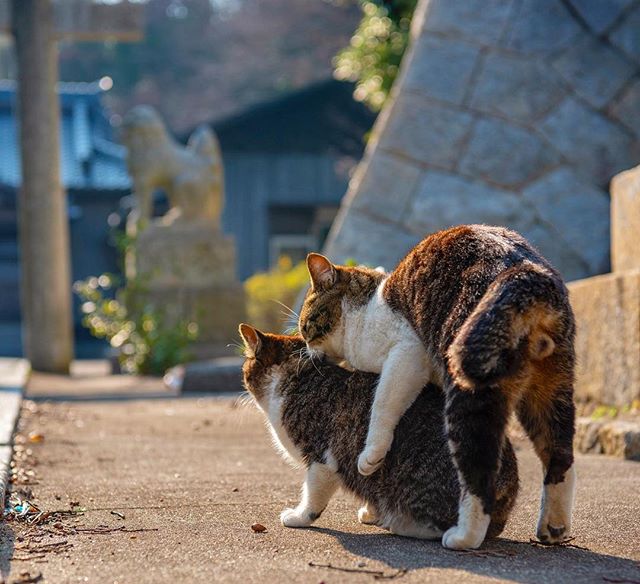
{"x":515,"y":321}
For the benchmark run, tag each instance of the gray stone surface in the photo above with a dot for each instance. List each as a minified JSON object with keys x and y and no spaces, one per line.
{"x":14,"y":374}
{"x":619,"y":438}
{"x":391,"y":184}
{"x":506,"y":154}
{"x":446,"y":76}
{"x":541,"y":27}
{"x":10,"y":400}
{"x":550,"y":243}
{"x":370,"y":240}
{"x":445,"y":199}
{"x":481,"y":22}
{"x":600,"y":14}
{"x":595,"y":72}
{"x":626,"y":36}
{"x":548,"y":92}
{"x":213,"y":376}
{"x":596,"y":146}
{"x":516,"y":87}
{"x":627,"y":108}
{"x":579,"y":210}
{"x":425,"y":131}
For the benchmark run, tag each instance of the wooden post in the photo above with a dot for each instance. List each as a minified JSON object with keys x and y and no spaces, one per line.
{"x":43,"y":222}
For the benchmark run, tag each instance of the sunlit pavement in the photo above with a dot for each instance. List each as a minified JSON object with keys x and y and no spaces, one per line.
{"x":197,"y":472}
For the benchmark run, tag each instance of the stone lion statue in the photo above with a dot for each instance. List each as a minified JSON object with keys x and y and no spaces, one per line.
{"x":191,"y":176}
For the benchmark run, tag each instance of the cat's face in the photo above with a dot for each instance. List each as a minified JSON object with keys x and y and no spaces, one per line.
{"x":334,"y":290}
{"x":321,"y":315}
{"x":264,"y":354}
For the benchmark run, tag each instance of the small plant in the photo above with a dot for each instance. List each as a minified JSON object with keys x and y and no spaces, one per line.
{"x":267,"y":292}
{"x":148,"y":342}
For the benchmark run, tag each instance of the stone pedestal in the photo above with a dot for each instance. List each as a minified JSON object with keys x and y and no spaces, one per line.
{"x":188,"y":270}
{"x":607,"y":308}
{"x":625,"y":220}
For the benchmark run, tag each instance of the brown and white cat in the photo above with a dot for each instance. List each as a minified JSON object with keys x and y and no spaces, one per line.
{"x":314,"y":411}
{"x":481,"y":313}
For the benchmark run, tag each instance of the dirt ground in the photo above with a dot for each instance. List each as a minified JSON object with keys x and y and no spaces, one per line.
{"x":156,"y":488}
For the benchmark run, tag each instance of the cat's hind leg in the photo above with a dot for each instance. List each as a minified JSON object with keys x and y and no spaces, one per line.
{"x":548,"y":416}
{"x":319,"y":486}
{"x":476,"y":422}
{"x":368,"y":514}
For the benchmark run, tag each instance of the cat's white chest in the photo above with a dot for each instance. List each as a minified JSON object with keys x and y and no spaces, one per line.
{"x":272,"y":407}
{"x":373,"y":330}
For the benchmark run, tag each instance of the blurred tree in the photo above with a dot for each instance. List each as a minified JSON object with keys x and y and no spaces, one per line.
{"x":372,"y":59}
{"x":206,"y":59}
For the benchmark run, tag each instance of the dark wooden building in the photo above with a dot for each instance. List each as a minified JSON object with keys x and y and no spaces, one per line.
{"x":287,"y":166}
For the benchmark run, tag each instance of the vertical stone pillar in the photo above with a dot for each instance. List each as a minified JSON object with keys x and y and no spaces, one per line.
{"x":625,"y":220}
{"x":43,"y":223}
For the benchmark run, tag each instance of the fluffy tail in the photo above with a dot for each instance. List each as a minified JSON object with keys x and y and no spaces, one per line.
{"x":513,"y":322}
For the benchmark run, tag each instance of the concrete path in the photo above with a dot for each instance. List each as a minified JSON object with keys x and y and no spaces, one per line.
{"x":199,"y":471}
{"x":14,"y":374}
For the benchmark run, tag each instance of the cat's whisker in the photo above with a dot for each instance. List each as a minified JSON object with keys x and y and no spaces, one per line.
{"x":244,"y":400}
{"x":289,"y":310}
{"x":310,"y":355}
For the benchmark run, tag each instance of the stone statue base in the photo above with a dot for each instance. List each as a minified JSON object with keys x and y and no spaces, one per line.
{"x":188,"y":270}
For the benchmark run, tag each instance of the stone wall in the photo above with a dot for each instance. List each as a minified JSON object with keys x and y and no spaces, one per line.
{"x":509,"y":112}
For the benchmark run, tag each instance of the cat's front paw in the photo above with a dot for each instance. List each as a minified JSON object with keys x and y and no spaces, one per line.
{"x":459,"y":538}
{"x":367,"y":515}
{"x":370,"y":460}
{"x":296,"y":518}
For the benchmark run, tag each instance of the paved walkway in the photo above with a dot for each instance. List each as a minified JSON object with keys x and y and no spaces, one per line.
{"x":198,"y":472}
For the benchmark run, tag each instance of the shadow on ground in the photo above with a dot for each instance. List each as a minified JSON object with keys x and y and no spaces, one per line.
{"x":511,"y":560}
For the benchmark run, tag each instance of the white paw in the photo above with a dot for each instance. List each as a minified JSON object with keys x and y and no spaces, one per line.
{"x":458,"y":538}
{"x":549,"y":533}
{"x":554,"y":523}
{"x":367,"y":516}
{"x":295,"y":518}
{"x":370,"y":460}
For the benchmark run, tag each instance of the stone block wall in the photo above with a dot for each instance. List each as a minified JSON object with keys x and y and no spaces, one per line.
{"x":507,"y":112}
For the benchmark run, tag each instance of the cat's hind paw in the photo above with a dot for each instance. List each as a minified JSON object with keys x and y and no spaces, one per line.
{"x":367,"y":515}
{"x":550,"y":534}
{"x":370,"y":461}
{"x":296,"y":518}
{"x":459,"y":538}
{"x":554,"y":523}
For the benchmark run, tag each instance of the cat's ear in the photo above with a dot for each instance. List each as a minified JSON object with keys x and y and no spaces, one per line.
{"x":322,"y":272}
{"x":252,"y":339}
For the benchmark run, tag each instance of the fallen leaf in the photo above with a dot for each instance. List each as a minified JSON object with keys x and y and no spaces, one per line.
{"x":35,"y":437}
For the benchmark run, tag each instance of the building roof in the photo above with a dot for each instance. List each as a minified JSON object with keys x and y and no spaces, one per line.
{"x":321,"y":118}
{"x":89,"y":157}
